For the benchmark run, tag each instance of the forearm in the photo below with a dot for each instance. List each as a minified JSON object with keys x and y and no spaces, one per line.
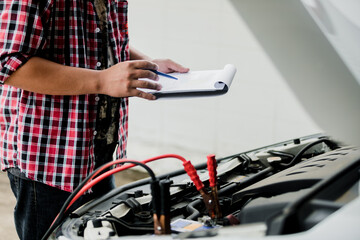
{"x":137,"y":55}
{"x":43,"y":76}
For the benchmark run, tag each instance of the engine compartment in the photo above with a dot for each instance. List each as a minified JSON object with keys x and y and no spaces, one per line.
{"x":287,"y":187}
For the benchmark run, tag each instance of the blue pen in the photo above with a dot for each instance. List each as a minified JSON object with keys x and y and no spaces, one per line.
{"x":163,"y":74}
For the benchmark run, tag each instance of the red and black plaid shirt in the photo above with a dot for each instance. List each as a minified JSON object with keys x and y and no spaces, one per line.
{"x":51,"y":138}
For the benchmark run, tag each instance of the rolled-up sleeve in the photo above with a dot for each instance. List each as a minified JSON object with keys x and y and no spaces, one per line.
{"x":22,"y":33}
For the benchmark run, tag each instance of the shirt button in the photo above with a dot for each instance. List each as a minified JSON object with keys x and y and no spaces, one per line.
{"x":98,"y":64}
{"x":97,"y":30}
{"x":97,"y":99}
{"x":95,"y":132}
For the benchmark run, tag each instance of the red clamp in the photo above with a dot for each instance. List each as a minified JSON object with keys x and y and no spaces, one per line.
{"x":211,"y":164}
{"x":210,"y":199}
{"x":214,"y":210}
{"x":191,"y":171}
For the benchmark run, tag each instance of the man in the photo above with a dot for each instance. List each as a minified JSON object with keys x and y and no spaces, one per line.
{"x":65,"y":77}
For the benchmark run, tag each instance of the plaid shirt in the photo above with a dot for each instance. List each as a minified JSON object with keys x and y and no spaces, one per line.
{"x":51,"y":138}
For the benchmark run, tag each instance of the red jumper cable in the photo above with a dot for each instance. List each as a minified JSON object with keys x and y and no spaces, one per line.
{"x":210,"y":199}
{"x":162,"y":226}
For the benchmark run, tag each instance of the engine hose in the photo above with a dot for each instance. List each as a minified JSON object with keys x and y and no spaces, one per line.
{"x":190,"y":208}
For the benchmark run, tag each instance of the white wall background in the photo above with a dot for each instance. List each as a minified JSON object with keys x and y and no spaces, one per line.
{"x":258,"y":110}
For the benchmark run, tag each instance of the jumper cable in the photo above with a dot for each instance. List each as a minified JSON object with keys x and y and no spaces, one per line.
{"x":210,"y":198}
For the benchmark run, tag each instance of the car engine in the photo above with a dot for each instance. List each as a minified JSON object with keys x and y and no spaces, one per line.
{"x":284,"y":188}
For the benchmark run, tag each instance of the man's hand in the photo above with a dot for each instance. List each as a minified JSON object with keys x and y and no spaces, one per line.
{"x":122,"y":79}
{"x":169,"y":66}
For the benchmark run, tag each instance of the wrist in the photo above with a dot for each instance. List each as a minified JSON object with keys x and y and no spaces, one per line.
{"x":98,"y":86}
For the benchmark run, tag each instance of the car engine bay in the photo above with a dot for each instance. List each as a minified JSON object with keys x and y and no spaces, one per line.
{"x":284,"y":188}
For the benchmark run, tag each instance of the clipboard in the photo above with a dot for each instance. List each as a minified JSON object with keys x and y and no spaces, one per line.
{"x":195,"y":83}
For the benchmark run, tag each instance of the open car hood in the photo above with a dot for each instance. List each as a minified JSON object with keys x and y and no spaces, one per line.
{"x":315,"y":46}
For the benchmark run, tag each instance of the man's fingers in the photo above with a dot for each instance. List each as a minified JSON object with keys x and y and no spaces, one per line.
{"x":141,"y":94}
{"x":169,"y":66}
{"x":145,"y":84}
{"x":175,"y":67}
{"x":142,"y":73}
{"x":142,"y":64}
